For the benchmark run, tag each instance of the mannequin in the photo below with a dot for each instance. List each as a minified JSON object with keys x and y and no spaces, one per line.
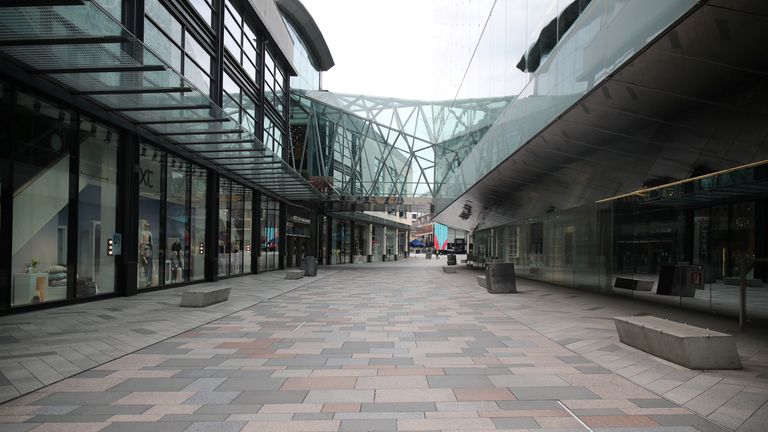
{"x":146,"y":253}
{"x":176,"y":259}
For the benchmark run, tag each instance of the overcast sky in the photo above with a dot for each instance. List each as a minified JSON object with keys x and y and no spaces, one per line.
{"x":414,"y":49}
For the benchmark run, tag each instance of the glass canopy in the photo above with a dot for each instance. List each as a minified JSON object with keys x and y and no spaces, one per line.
{"x":79,"y":46}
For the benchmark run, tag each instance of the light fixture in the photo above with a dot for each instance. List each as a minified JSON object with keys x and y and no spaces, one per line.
{"x":110,"y":247}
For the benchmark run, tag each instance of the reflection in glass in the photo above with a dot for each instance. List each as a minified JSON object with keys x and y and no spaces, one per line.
{"x":247,"y":230}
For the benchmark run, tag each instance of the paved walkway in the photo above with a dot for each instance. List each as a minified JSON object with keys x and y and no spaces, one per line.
{"x":390,"y":346}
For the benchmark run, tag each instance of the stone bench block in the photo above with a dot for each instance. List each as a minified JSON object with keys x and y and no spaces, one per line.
{"x":449,"y":269}
{"x":686,"y":345}
{"x":482,"y":281}
{"x":201,"y":297}
{"x":500,"y":278}
{"x":294,"y":274}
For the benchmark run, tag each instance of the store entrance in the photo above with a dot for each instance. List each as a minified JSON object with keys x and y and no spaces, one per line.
{"x":724,"y":238}
{"x":297,"y":247}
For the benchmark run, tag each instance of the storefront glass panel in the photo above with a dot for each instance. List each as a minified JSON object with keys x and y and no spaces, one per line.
{"x":177,"y":219}
{"x":151,"y":163}
{"x":236,"y":232}
{"x":225,"y":187}
{"x":97,"y":209}
{"x":197,"y":223}
{"x":40,"y":269}
{"x":247,"y":230}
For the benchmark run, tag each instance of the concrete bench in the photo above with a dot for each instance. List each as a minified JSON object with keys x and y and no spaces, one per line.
{"x":482,"y":281}
{"x":633,"y":284}
{"x":449,"y":269}
{"x":689,"y":346}
{"x":294,"y":274}
{"x":201,"y":297}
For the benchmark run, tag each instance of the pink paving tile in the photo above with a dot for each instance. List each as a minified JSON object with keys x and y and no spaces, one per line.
{"x":342,"y":372}
{"x":618,"y":421}
{"x":291,"y":408}
{"x":392,"y":382}
{"x":341,"y":407}
{"x":445,"y":424}
{"x":319,"y":383}
{"x":483,"y":394}
{"x":411,"y":372}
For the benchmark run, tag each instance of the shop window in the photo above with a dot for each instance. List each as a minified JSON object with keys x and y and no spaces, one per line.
{"x":151,"y":163}
{"x":42,"y":138}
{"x":97,"y":209}
{"x":177,"y":219}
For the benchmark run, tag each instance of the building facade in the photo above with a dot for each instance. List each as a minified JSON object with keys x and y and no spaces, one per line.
{"x":147,"y":145}
{"x":632,"y":159}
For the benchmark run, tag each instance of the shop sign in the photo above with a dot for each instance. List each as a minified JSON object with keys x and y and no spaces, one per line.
{"x":300,"y":220}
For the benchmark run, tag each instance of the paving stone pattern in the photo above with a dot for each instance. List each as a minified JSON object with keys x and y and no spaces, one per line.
{"x":383,"y":347}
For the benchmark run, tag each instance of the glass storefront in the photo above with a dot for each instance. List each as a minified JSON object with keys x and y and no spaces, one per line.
{"x":269,"y":253}
{"x":97,"y":209}
{"x":54,"y":256}
{"x":151,"y":248}
{"x":686,"y":245}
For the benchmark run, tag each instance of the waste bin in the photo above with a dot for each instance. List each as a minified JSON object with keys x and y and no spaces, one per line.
{"x":429,"y":255}
{"x":680,"y":280}
{"x":310,"y":266}
{"x":451,"y":260}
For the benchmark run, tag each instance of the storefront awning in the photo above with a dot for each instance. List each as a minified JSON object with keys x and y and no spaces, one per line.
{"x":80,"y":47}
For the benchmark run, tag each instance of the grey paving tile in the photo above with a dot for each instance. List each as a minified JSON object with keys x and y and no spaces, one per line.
{"x":81,"y":398}
{"x":147,"y":427}
{"x":229,"y":409}
{"x":529,"y":405}
{"x":195,"y":417}
{"x":515,"y":423}
{"x":679,"y":419}
{"x":152,"y":384}
{"x":368,"y":425}
{"x":251,"y":384}
{"x":592,"y":370}
{"x":58,"y":410}
{"x":95,"y":373}
{"x":212,"y":398}
{"x":17,"y":427}
{"x":653,"y":403}
{"x":553,"y":393}
{"x":270,"y":397}
{"x":313,"y":416}
{"x":69,"y":418}
{"x":111,"y":410}
{"x":229,"y":426}
{"x":478,"y":371}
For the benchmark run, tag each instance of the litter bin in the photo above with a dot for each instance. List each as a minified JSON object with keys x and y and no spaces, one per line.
{"x":451,"y":260}
{"x":310,"y":266}
{"x":429,"y":255}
